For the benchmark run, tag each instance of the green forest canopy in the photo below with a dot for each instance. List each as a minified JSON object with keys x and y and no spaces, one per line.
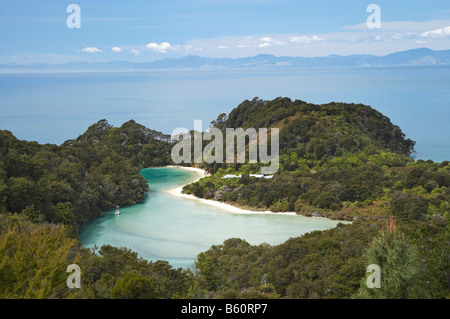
{"x":338,"y":160}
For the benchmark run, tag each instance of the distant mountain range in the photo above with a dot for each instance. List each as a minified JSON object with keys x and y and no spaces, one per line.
{"x":415,"y":57}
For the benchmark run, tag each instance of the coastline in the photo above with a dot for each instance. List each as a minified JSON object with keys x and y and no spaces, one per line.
{"x":177,"y":191}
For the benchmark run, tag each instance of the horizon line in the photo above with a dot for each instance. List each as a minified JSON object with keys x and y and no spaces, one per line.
{"x":218,"y":58}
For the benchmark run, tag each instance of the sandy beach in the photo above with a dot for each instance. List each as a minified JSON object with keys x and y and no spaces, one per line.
{"x":229,"y":208}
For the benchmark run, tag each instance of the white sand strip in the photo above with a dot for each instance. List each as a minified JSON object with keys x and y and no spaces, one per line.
{"x":230,"y":208}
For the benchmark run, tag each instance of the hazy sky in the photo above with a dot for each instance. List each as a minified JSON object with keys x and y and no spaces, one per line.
{"x":142,"y":30}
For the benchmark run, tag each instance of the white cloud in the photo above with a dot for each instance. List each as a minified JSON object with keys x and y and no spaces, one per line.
{"x":398,"y":36}
{"x":190,"y":48}
{"x":393,"y":36}
{"x":162,"y":47}
{"x":91,"y":50}
{"x":116,"y":49}
{"x":265,"y":45}
{"x":304,"y":39}
{"x":266,"y":39}
{"x":316,"y":38}
{"x":437,"y":32}
{"x":272,"y":41}
{"x":135,"y":52}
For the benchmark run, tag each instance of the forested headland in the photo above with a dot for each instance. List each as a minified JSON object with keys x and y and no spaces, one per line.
{"x":337,"y":160}
{"x":342,"y":161}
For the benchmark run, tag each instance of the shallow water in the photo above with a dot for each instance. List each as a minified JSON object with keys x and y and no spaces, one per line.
{"x":176,"y":229}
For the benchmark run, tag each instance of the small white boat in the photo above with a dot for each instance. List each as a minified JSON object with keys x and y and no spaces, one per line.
{"x":117,"y":212}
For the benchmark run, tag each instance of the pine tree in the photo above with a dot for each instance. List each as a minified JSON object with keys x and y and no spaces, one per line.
{"x":398,"y":263}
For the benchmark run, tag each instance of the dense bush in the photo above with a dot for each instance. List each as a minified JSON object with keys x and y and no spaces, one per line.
{"x":338,"y":160}
{"x":75,"y":182}
{"x":329,"y":264}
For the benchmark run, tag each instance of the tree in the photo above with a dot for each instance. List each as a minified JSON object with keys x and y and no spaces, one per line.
{"x":3,"y":188}
{"x":220,"y":119}
{"x":64,"y":213}
{"x":22,"y":192}
{"x":34,"y":258}
{"x":133,"y":286}
{"x":208,"y":269}
{"x":408,"y":206}
{"x":33,"y":214}
{"x":398,"y":262}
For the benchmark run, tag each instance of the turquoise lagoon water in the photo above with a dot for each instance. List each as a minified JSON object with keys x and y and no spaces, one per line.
{"x":166,"y":227}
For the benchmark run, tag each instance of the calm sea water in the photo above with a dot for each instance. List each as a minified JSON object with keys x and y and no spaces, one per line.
{"x":175,"y":229}
{"x":52,"y":108}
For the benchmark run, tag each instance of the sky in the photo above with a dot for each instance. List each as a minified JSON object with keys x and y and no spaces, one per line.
{"x":146,"y":30}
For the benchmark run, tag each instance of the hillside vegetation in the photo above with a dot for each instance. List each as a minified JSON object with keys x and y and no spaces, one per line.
{"x":338,"y":160}
{"x":73,"y":183}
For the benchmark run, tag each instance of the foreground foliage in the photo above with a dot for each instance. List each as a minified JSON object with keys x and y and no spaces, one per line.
{"x":320,"y":264}
{"x":324,"y":264}
{"x":397,"y":262}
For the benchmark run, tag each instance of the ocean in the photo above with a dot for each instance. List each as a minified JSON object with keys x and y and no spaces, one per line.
{"x":54,"y":107}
